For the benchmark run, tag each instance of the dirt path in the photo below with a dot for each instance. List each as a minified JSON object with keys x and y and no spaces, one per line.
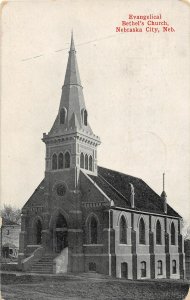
{"x":89,"y":288}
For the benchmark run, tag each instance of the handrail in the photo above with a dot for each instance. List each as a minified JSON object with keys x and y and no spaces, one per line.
{"x":35,"y":257}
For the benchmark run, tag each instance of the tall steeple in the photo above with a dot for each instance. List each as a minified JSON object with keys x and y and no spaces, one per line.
{"x":72,"y":110}
{"x":71,"y":130}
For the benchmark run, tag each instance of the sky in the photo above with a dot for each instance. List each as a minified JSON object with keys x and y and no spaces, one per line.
{"x":136,"y":88}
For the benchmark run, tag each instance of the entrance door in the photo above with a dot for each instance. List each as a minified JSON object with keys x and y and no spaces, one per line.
{"x":61,"y":234}
{"x":61,"y":239}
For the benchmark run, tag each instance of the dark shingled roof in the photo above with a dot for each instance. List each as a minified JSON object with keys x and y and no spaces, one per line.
{"x":117,"y":187}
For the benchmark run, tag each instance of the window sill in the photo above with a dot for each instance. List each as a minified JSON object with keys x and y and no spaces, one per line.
{"x":60,"y":170}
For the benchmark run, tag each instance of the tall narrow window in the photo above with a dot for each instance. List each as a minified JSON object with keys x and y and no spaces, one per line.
{"x":92,"y":267}
{"x":82,"y":160}
{"x":160,"y":271}
{"x":86,"y":162}
{"x":143,"y":269}
{"x":174,"y":267}
{"x":67,"y":160}
{"x":62,"y":116}
{"x":173,"y":234}
{"x":54,"y":162}
{"x":123,"y":231}
{"x":90,"y":163}
{"x":124,"y":270}
{"x":141,"y":231}
{"x":38,"y":232}
{"x":93,"y":231}
{"x":60,"y":161}
{"x":158,"y":233}
{"x":85,"y":117}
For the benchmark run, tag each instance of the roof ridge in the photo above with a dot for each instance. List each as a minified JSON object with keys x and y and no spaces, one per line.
{"x":120,"y":172}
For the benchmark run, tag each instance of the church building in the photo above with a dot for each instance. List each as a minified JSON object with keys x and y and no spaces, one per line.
{"x":86,"y":218}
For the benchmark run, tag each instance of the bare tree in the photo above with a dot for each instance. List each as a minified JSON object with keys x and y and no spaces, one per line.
{"x":11,"y":213}
{"x":186,"y":230}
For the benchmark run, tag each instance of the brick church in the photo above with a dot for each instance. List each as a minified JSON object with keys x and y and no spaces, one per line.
{"x":86,"y":218}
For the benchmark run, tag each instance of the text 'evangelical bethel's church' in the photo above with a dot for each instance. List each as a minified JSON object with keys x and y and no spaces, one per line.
{"x":84,"y":218}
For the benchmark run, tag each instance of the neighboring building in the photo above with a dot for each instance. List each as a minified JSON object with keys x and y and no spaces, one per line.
{"x":89,"y":218}
{"x":187,"y":258}
{"x":9,"y":250}
{"x":10,"y":238}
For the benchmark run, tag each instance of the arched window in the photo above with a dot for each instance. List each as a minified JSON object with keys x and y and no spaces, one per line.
{"x":141,"y":231}
{"x":123,"y":231}
{"x":54,"y":162}
{"x":172,"y":234}
{"x":85,"y":117}
{"x":90,"y":163}
{"x":93,"y":230}
{"x":82,"y":160}
{"x":62,"y":116}
{"x":143,"y":269}
{"x":174,"y":267}
{"x":158,"y":233}
{"x":124,"y":270}
{"x":60,"y":161}
{"x":86,"y":162}
{"x":160,"y":271}
{"x":67,"y":160}
{"x":38,"y":232}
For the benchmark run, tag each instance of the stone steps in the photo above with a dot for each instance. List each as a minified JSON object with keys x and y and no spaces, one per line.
{"x":44,"y":265}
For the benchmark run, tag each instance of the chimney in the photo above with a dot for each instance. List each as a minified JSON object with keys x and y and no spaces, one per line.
{"x":132,"y":196}
{"x":164,"y":196}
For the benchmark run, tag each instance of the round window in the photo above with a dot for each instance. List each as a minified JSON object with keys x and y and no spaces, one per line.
{"x":60,"y":189}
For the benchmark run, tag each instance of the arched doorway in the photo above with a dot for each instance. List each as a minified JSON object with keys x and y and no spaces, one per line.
{"x":38,"y":232}
{"x":61,"y":233}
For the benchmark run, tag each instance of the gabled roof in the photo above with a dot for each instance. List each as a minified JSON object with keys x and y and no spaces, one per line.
{"x":117,"y":187}
{"x":38,"y":197}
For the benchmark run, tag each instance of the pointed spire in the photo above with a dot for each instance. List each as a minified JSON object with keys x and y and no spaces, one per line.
{"x":72,"y":99}
{"x":72,"y":76}
{"x":72,"y":46}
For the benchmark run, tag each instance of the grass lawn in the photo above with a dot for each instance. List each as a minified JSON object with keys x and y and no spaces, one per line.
{"x":89,"y":287}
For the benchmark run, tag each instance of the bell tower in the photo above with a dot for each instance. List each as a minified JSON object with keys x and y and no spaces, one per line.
{"x":71,"y":143}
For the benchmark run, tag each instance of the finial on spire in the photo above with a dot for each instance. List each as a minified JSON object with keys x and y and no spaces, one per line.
{"x":163,"y":181}
{"x":163,"y":195}
{"x":72,"y":47}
